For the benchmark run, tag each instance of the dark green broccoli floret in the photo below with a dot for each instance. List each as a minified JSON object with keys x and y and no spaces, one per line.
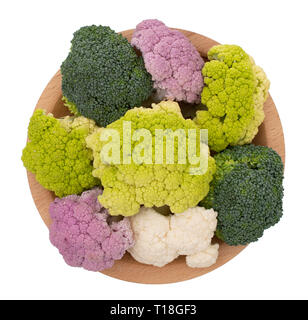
{"x":103,"y":76}
{"x":246,"y":192}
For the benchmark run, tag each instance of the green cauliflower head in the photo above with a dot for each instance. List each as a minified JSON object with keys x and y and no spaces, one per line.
{"x":128,"y":186}
{"x":234,"y":94}
{"x":57,"y":154}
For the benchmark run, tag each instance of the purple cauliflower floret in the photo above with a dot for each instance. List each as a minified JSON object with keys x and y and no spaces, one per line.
{"x":173,"y":62}
{"x":83,"y":232}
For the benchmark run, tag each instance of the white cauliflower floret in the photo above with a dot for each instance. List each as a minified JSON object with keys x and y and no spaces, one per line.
{"x":161,"y":239}
{"x":150,"y":231}
{"x":192,"y":230}
{"x":204,"y":258}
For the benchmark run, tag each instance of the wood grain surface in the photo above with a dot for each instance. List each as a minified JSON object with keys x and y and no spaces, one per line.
{"x":270,"y":134}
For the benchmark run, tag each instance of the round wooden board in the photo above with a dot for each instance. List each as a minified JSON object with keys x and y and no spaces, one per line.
{"x":270,"y":134}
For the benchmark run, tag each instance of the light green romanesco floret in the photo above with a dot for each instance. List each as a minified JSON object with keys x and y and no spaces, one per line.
{"x":57,"y":154}
{"x":71,"y":106}
{"x":259,"y":97}
{"x":234,"y":93}
{"x":129,"y":186}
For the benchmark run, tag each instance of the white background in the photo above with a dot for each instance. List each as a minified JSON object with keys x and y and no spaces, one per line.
{"x":35,"y":38}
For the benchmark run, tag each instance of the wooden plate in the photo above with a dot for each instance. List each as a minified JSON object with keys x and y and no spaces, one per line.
{"x":270,"y":134}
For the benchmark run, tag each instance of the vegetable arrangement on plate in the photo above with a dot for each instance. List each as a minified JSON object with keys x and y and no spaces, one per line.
{"x":155,"y":210}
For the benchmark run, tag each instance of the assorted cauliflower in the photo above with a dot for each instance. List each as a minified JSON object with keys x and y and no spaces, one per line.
{"x":128,"y":186}
{"x":234,"y":92}
{"x":106,"y":80}
{"x":84,"y":234}
{"x":160,"y":239}
{"x":174,"y":63}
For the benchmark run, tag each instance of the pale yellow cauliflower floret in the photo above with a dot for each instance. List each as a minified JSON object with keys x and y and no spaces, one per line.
{"x":259,"y":97}
{"x":204,"y":258}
